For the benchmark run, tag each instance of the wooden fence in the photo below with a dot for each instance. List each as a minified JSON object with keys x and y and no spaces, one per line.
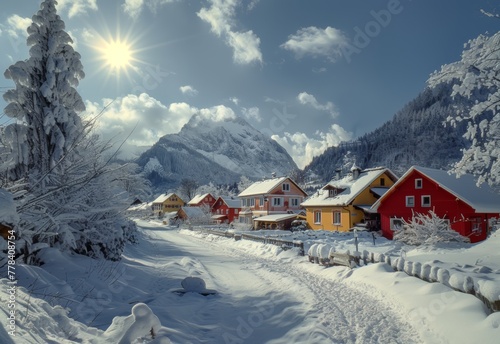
{"x":285,"y":244}
{"x":426,"y":272}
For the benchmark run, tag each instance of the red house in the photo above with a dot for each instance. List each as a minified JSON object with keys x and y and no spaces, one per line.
{"x":226,"y":209}
{"x":201,"y":200}
{"x":467,"y":207}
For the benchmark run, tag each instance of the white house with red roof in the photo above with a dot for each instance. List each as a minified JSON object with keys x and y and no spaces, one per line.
{"x":278,"y":195}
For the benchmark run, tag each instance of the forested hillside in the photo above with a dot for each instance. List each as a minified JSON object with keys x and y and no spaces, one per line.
{"x":416,"y":135}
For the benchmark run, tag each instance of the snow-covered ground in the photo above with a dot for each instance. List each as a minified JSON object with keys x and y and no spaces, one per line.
{"x":263,"y":294}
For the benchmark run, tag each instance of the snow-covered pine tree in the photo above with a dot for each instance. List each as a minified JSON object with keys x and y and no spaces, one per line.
{"x":65,"y":191}
{"x":427,"y":229}
{"x":478,"y":79}
{"x":45,"y":101}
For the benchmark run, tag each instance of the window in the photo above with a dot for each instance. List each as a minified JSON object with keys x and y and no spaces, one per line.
{"x":243,"y":202}
{"x":332,"y":192}
{"x":227,"y":211}
{"x":286,"y":187}
{"x":396,"y":224}
{"x":476,"y":225}
{"x":295,"y":202}
{"x":337,"y":218}
{"x":317,"y":217}
{"x":261,"y":201}
{"x":410,"y":201}
{"x":426,"y":201}
{"x":418,"y":183}
{"x":277,"y":201}
{"x":252,"y":202}
{"x":236,"y":211}
{"x":382,"y":181}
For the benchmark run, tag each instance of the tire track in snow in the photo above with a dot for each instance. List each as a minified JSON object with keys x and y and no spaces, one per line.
{"x":343,"y":314}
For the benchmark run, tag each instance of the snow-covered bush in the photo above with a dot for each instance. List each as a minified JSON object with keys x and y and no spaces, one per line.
{"x":427,"y":229}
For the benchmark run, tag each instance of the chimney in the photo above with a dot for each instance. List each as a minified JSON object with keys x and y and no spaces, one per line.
{"x":338,"y":173}
{"x":355,"y":171}
{"x":273,"y":174}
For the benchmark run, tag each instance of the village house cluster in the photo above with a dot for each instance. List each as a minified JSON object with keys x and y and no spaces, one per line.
{"x":374,"y":198}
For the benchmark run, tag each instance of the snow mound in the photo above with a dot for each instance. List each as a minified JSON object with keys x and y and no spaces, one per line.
{"x":194,"y":285}
{"x":139,"y":327}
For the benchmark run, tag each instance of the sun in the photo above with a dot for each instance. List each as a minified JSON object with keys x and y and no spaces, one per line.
{"x":117,"y":54}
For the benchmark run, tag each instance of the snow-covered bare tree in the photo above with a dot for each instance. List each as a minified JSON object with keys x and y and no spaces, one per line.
{"x":427,"y":229}
{"x":476,"y":76}
{"x":188,"y":188}
{"x":57,"y":169}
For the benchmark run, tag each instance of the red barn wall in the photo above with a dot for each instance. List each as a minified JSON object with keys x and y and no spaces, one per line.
{"x":443,"y":203}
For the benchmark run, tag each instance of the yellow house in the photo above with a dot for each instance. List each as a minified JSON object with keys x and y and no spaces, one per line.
{"x":167,"y":203}
{"x":346,"y":202}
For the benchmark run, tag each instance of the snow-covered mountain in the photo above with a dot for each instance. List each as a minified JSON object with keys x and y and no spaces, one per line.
{"x":214,"y":150}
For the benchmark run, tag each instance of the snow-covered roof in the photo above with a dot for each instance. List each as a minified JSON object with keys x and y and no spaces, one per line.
{"x":352,"y":188}
{"x":263,"y":187}
{"x":194,"y":212}
{"x":198,"y":198}
{"x":483,"y":199}
{"x":8,"y":214}
{"x":162,"y":198}
{"x":379,"y":191}
{"x":275,"y":217}
{"x":231,"y":202}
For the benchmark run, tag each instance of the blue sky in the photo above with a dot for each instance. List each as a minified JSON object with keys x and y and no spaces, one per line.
{"x":309,"y":73}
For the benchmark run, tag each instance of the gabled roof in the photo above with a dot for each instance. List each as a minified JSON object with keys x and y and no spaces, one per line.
{"x":263,"y":187}
{"x":194,"y":212}
{"x":351,"y":188}
{"x":482,"y":199}
{"x":198,"y":198}
{"x":162,"y":198}
{"x":230,"y":201}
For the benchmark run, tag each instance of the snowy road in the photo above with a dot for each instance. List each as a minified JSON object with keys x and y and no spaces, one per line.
{"x":260,"y":300}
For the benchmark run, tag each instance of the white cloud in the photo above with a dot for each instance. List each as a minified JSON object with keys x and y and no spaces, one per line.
{"x":134,"y":7}
{"x":252,"y":4}
{"x":220,"y":15}
{"x":149,"y":116}
{"x":188,"y":90}
{"x":252,"y":113}
{"x":235,"y":100}
{"x":317,"y":42}
{"x":303,"y":148}
{"x":245,"y":47}
{"x":218,"y":113}
{"x":76,"y":7}
{"x":308,"y":99}
{"x":17,"y":26}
